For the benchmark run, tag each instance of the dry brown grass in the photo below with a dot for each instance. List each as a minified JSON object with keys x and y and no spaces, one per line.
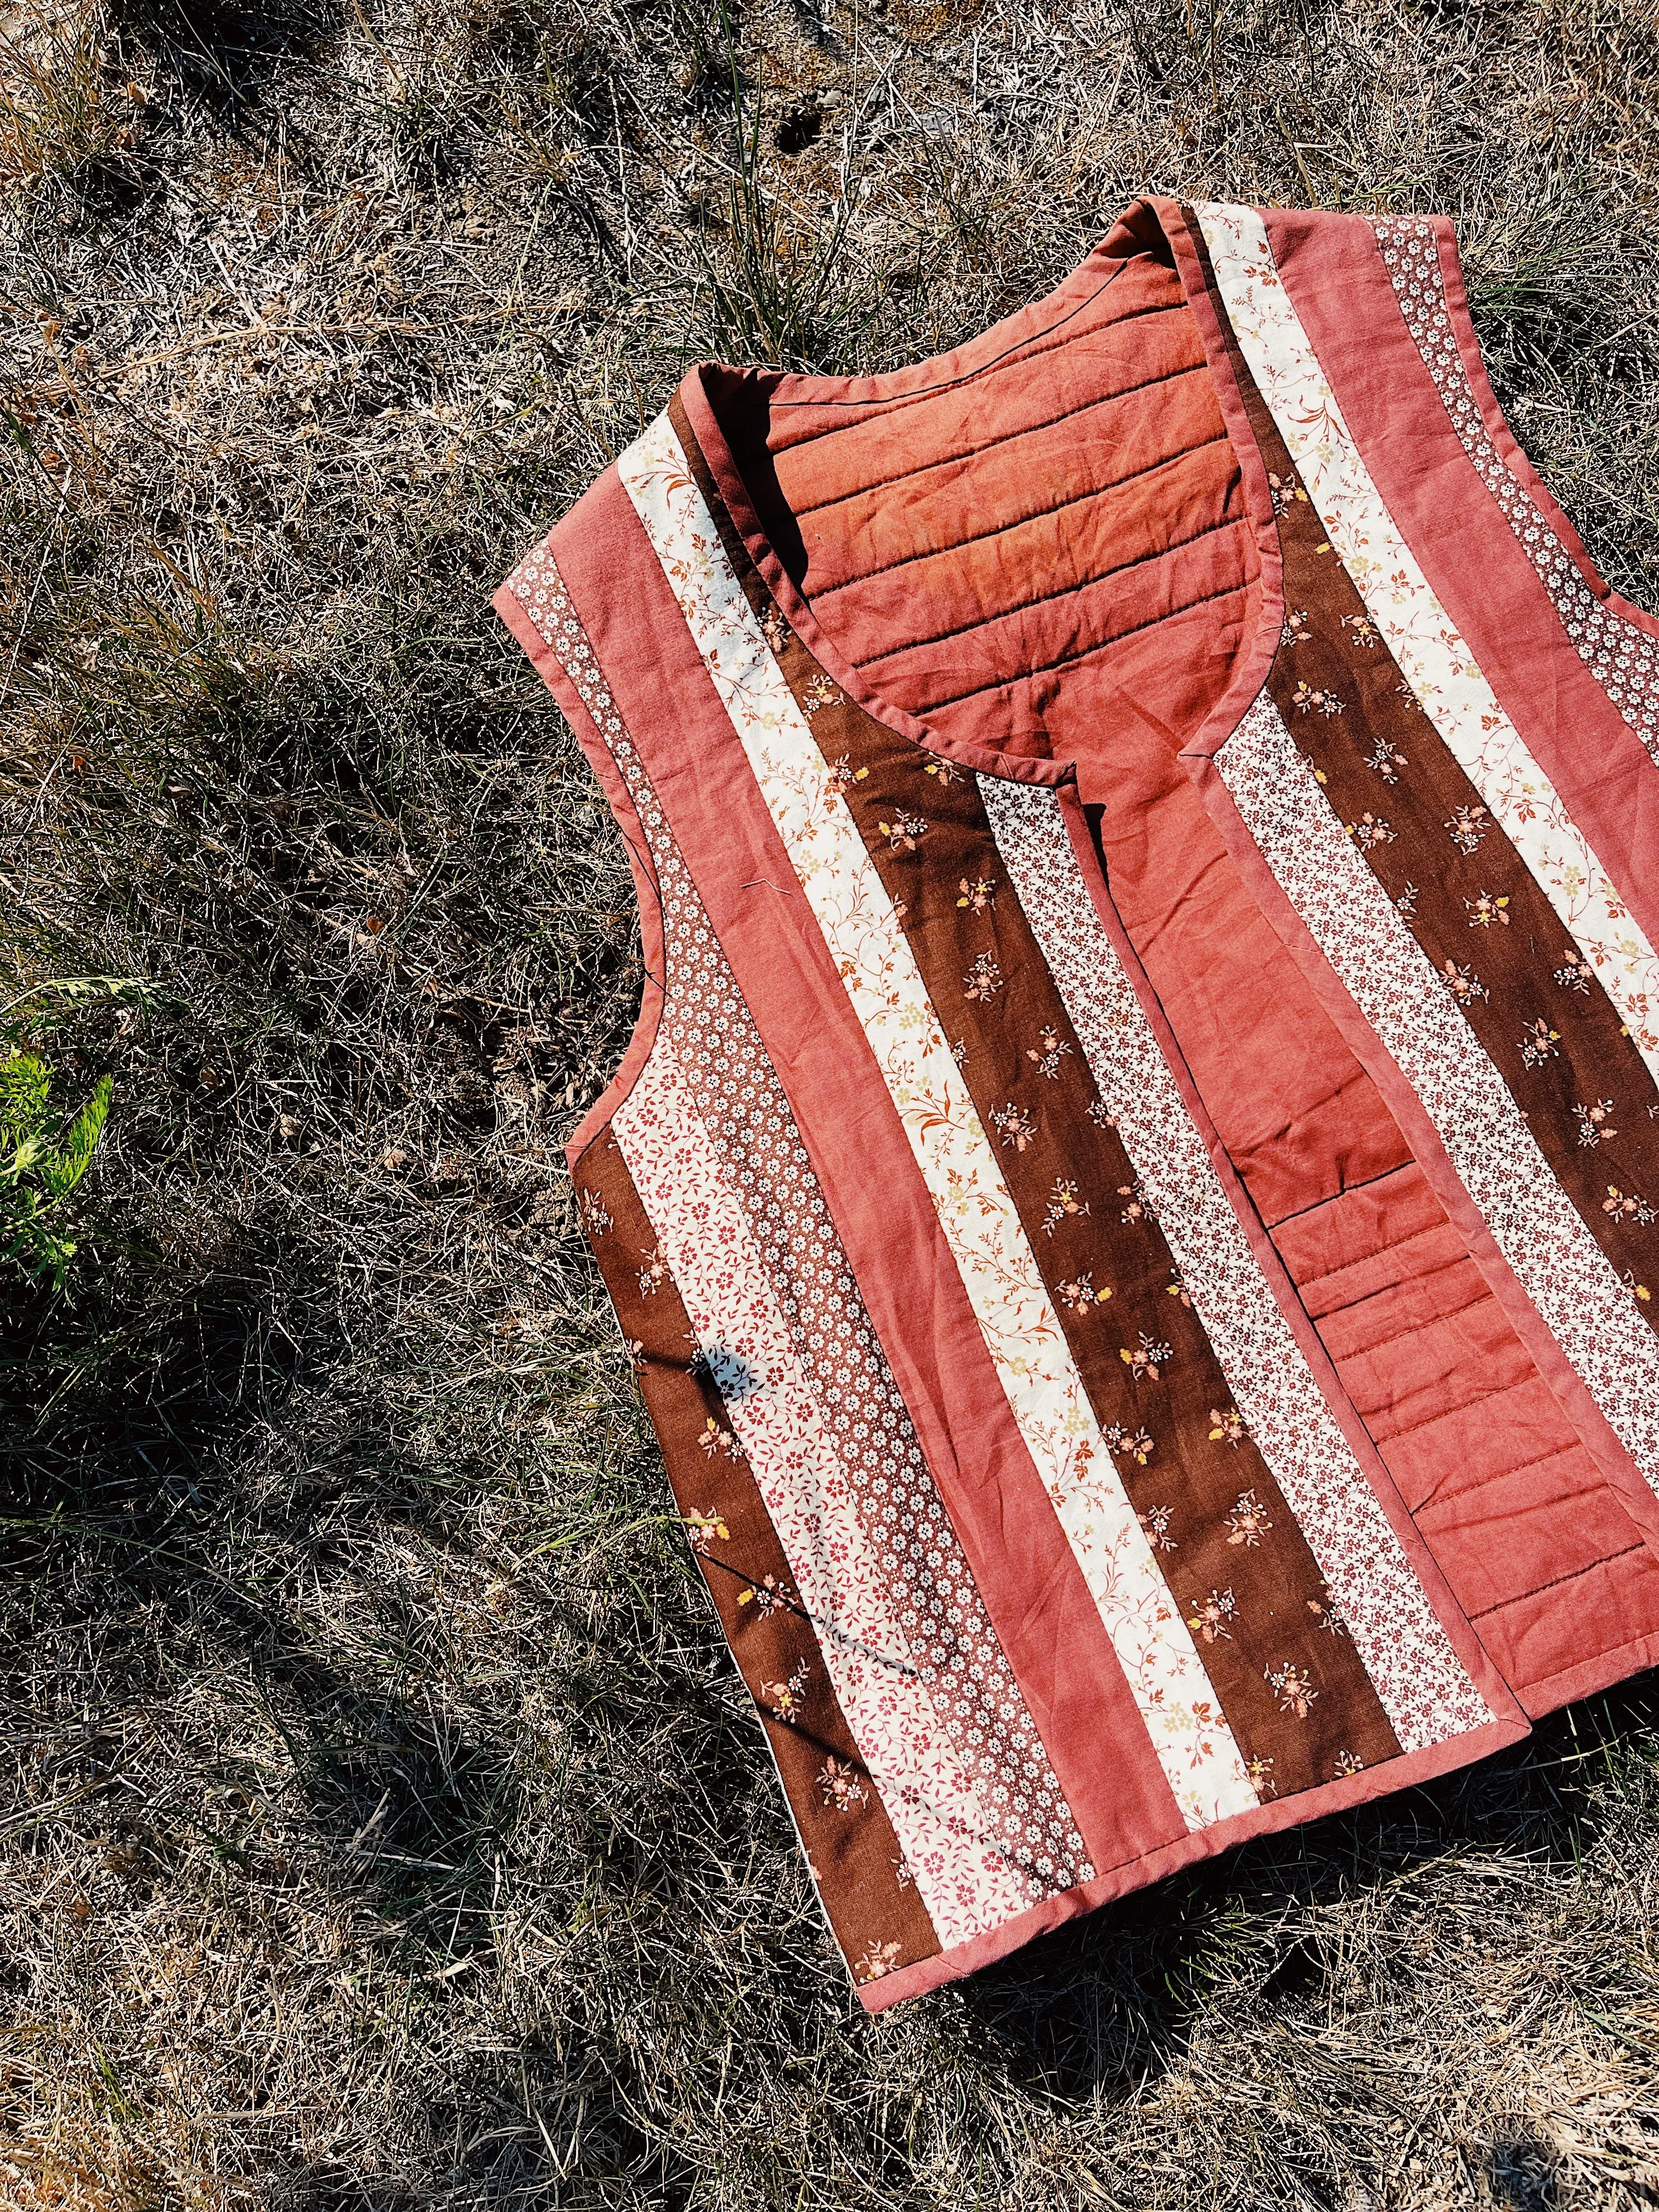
{"x":385,"y":1826}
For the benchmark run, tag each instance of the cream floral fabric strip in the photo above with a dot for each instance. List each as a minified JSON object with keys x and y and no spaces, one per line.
{"x":1423,"y":1686}
{"x":1194,"y":1746}
{"x":1436,"y":661}
{"x":964,"y":1882}
{"x":744,"y":1108}
{"x":1354,"y":922}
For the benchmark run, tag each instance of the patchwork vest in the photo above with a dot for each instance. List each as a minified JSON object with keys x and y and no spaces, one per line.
{"x":1133,"y":1196}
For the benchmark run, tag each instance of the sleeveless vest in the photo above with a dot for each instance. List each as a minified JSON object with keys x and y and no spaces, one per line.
{"x":1134,"y":1194}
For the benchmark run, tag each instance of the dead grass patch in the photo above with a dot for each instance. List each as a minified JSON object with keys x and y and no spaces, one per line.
{"x":384,"y":1826}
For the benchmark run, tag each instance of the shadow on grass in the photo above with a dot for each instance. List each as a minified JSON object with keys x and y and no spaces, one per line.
{"x":155,"y":1546}
{"x":1107,"y":1999}
{"x":223,"y":53}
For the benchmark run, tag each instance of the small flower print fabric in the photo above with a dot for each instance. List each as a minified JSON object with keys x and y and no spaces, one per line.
{"x":1131,"y":1199}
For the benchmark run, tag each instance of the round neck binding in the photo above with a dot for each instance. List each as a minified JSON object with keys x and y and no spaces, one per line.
{"x":1255,"y":658}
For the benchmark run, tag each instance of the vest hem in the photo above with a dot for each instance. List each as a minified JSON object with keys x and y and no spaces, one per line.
{"x":1406,"y":1772}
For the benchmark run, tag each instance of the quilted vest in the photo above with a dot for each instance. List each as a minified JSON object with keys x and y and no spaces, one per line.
{"x":1133,"y":1195}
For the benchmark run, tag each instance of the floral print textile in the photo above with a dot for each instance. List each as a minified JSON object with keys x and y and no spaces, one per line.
{"x":1425,"y":1691}
{"x":1437,"y":664}
{"x":1021,"y":1327}
{"x":1624,"y":658}
{"x":1358,"y":929}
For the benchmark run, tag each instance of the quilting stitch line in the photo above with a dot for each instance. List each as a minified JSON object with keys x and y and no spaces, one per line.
{"x":884,"y":409}
{"x":993,"y":445}
{"x":1019,"y":521}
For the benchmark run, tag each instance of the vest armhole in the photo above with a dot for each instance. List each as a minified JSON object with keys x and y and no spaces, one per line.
{"x":653,"y":944}
{"x":1508,"y":446}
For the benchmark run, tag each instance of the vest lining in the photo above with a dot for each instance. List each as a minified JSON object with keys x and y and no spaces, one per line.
{"x":972,"y":453}
{"x":1073,"y":659}
{"x":884,"y":409}
{"x":1067,"y":590}
{"x":1039,"y":514}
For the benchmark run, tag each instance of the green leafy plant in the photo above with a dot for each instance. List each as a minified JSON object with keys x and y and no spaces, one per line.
{"x":43,"y":1155}
{"x":45,"y":1149}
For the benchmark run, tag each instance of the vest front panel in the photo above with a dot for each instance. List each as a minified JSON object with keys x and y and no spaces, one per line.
{"x":1145,"y":1321}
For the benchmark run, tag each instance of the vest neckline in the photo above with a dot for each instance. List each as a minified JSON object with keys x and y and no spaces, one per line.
{"x":1255,"y":656}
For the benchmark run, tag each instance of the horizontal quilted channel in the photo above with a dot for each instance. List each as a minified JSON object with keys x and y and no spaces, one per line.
{"x":1004,"y":556}
{"x":1513,"y":1505}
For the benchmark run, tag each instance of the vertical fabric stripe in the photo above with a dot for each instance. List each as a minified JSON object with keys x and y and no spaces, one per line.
{"x":1436,"y":662}
{"x":1469,"y":901}
{"x":1624,"y":659}
{"x":1424,"y":1688}
{"x":1355,"y":924}
{"x":710,"y":806}
{"x":1292,"y":1686}
{"x":1195,"y":1749}
{"x":863,"y":1883}
{"x":749,"y":1123}
{"x":964,"y":1882}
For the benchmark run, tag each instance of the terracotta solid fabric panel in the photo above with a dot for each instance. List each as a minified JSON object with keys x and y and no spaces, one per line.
{"x":1044,"y":1617}
{"x":1509,"y":1499}
{"x":978,"y":547}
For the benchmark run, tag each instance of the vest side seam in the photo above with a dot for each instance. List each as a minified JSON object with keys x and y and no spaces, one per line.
{"x":513,"y":603}
{"x":1511,"y":450}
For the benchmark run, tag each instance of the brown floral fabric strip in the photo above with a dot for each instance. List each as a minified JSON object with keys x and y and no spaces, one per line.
{"x":747,"y":1119}
{"x":873,"y":1904}
{"x":1285,"y":1673}
{"x":1529,"y":996}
